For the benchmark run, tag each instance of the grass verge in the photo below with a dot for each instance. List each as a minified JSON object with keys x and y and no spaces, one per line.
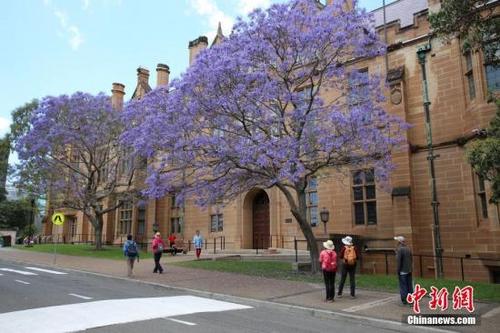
{"x":81,"y":250}
{"x":283,"y":271}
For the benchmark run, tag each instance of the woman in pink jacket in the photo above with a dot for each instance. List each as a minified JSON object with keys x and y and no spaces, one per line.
{"x":157,"y":246}
{"x":328,"y":260}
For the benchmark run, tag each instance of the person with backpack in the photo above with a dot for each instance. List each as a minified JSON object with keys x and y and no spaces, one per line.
{"x":131,"y":252}
{"x":349,"y":254}
{"x":157,"y":246}
{"x":328,"y":260}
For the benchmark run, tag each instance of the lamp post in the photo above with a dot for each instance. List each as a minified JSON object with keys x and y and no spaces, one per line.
{"x":324,"y":216}
{"x":156,"y":227}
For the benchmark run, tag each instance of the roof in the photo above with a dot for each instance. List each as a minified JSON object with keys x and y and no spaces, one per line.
{"x":402,"y":11}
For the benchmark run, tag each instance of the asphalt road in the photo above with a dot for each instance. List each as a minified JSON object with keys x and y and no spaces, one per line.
{"x":37,"y":299}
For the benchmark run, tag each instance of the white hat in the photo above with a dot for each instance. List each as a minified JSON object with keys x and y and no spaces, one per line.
{"x":347,"y":240}
{"x":328,"y":245}
{"x":400,"y":239}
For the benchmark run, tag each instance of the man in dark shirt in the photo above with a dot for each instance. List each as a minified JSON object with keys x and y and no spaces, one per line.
{"x":404,"y":268}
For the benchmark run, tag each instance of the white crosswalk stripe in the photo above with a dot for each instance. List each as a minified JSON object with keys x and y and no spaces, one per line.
{"x":17,"y":271}
{"x":109,"y":312}
{"x":45,"y":270}
{"x":21,"y":281}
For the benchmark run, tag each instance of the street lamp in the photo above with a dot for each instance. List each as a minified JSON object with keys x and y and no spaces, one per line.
{"x":156,"y":227}
{"x":324,"y":216}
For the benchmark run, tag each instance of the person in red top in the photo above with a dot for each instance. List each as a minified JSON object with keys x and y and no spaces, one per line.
{"x":171,"y":240}
{"x":349,"y":254}
{"x":157,"y":246}
{"x":328,"y":260}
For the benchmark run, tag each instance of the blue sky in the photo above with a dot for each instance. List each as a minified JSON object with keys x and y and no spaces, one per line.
{"x":53,"y":47}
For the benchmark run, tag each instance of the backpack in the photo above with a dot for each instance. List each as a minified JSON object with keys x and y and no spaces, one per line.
{"x":132,"y":249}
{"x":350,"y":255}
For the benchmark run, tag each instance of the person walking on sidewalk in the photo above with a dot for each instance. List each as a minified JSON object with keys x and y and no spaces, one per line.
{"x":198,"y":243}
{"x":131,"y":252}
{"x":157,"y":246}
{"x":349,"y":254}
{"x":328,"y":260}
{"x":404,"y":264}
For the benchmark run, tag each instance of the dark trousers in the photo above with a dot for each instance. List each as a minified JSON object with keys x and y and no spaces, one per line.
{"x":158,"y":267}
{"x":351,"y":269}
{"x":405,"y":286}
{"x":198,"y":252}
{"x":329,"y":284}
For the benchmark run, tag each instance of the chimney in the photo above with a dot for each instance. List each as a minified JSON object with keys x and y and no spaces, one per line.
{"x":196,"y":46}
{"x":162,"y":75}
{"x":142,"y":75}
{"x":117,"y":93}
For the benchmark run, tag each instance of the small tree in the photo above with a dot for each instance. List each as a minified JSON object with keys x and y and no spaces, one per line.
{"x":271,"y":106}
{"x":473,"y":21}
{"x":484,"y":156}
{"x":71,"y":151}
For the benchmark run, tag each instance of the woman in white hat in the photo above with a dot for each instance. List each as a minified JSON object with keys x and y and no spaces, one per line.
{"x":349,"y":254}
{"x":328,"y":260}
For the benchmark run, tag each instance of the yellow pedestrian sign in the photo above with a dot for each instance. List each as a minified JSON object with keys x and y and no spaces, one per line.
{"x":58,"y":218}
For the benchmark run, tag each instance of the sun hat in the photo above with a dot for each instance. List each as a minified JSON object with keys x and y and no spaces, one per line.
{"x":400,"y":239}
{"x":347,"y":240}
{"x":328,"y":245}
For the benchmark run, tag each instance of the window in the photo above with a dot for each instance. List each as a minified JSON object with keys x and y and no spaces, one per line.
{"x":175,"y":226}
{"x":469,"y":75}
{"x":481,"y":196}
{"x":173,"y":204}
{"x":364,"y":197}
{"x":125,"y":218}
{"x":492,"y":67}
{"x":216,"y":222}
{"x":358,"y":90}
{"x":312,"y":201}
{"x":126,"y":164}
{"x":141,"y":220}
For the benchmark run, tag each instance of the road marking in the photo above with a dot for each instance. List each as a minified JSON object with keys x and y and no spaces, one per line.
{"x":80,"y":296}
{"x":21,"y":281}
{"x":88,"y":315}
{"x":45,"y":270}
{"x":491,"y":313}
{"x":16,"y":271}
{"x":370,"y":304}
{"x":181,"y":322}
{"x":1,"y":274}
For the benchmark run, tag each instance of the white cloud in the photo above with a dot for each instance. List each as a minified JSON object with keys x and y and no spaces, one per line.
{"x":246,"y":6}
{"x":85,"y":4}
{"x":75,"y":37}
{"x":70,"y":31}
{"x":4,"y":125}
{"x":213,"y":15}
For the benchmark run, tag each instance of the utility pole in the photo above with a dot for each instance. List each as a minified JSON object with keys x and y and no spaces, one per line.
{"x":421,"y":54}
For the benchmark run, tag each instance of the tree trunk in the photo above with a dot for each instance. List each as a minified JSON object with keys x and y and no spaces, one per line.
{"x":300,"y":214}
{"x":97,"y":222}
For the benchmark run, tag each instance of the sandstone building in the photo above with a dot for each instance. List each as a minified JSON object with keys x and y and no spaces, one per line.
{"x":459,"y":87}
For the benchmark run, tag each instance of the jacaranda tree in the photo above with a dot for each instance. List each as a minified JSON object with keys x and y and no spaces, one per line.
{"x":271,"y":106}
{"x":73,"y":144}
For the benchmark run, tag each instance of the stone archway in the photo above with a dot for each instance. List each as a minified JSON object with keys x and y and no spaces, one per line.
{"x":260,"y":221}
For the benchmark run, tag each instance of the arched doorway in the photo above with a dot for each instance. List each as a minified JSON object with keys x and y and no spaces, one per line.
{"x":260,"y":221}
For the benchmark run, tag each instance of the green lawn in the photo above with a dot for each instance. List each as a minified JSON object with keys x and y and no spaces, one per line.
{"x":282,"y":270}
{"x":81,"y":250}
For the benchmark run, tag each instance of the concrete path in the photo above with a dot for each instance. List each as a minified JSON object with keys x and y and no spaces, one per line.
{"x":296,"y":295}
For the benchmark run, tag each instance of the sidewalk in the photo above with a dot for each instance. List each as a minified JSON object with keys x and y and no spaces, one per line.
{"x":368,"y":303}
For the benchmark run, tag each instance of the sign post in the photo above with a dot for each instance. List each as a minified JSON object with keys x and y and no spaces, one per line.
{"x":57,"y":219}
